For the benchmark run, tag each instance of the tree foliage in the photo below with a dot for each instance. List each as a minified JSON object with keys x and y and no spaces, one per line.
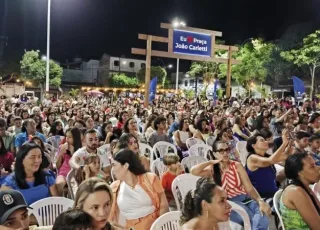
{"x":155,"y":71}
{"x":33,"y":68}
{"x":253,"y":58}
{"x":189,"y":94}
{"x":121,"y":80}
{"x":74,"y":92}
{"x":307,"y":55}
{"x":208,"y":70}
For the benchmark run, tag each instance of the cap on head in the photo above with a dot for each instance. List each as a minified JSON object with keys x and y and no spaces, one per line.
{"x":10,"y":201}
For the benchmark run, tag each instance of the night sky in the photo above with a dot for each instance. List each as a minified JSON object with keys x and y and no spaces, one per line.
{"x":89,"y":28}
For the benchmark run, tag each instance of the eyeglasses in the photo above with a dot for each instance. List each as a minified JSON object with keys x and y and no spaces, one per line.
{"x":223,"y":150}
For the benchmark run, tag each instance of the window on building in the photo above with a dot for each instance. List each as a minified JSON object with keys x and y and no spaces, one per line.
{"x":192,"y":82}
{"x":131,"y":64}
{"x":200,"y":82}
{"x":186,"y":83}
{"x":116,"y":63}
{"x":143,"y":65}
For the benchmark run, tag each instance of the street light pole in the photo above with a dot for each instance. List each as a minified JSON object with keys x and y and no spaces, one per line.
{"x":48,"y":46}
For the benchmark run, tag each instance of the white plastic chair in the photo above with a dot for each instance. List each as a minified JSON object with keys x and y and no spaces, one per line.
{"x":191,"y":161}
{"x":210,"y":140}
{"x":200,"y":150}
{"x":145,"y":149}
{"x":55,"y":141}
{"x":181,"y":185}
{"x":167,"y":221}
{"x":242,"y":149}
{"x":158,"y":167}
{"x":105,"y":148}
{"x":276,"y":200}
{"x":192,"y":141}
{"x":316,"y":189}
{"x":47,"y":210}
{"x":70,"y":175}
{"x":52,"y":151}
{"x":162,"y":148}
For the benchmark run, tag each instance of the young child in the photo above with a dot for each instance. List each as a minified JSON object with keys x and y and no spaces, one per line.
{"x":170,"y":160}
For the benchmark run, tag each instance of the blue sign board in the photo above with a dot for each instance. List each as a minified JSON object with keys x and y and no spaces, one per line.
{"x":191,"y":43}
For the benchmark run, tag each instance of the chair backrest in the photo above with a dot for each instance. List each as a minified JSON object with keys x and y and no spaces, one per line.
{"x":243,"y":213}
{"x":181,"y":185}
{"x":47,"y":210}
{"x":55,"y":141}
{"x":158,"y":167}
{"x":162,"y":148}
{"x":200,"y":150}
{"x":105,"y":148}
{"x":145,"y":149}
{"x":70,"y":175}
{"x":52,"y":151}
{"x":242,"y":149}
{"x":316,"y":189}
{"x":210,"y":140}
{"x":192,"y":141}
{"x":276,"y":200}
{"x":191,"y":161}
{"x":167,"y":221}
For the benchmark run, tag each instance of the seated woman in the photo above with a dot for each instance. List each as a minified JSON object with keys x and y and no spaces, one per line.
{"x":225,"y":135}
{"x":56,"y":129}
{"x":239,"y":130}
{"x":29,"y":177}
{"x":232,"y":177}
{"x":299,"y":206}
{"x":205,"y":206}
{"x":65,"y":152}
{"x":261,"y":165}
{"x":181,"y":136}
{"x":130,"y":126}
{"x":203,"y":130}
{"x":137,"y":195}
{"x":129,"y":141}
{"x":94,"y":197}
{"x":6,"y":160}
{"x":74,"y":219}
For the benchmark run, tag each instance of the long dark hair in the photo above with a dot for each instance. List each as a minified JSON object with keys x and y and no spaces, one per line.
{"x":126,"y":125}
{"x":123,"y":142}
{"x":293,"y":166}
{"x":128,"y":156}
{"x":216,"y":167}
{"x":76,"y":135}
{"x":19,"y":172}
{"x":54,"y":131}
{"x":192,"y":202}
{"x":3,"y":149}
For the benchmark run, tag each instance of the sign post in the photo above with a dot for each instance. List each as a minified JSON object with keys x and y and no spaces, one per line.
{"x":189,"y":44}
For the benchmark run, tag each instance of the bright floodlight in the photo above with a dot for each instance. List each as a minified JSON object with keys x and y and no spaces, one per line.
{"x":170,"y":66}
{"x":175,"y":24}
{"x":124,"y":62}
{"x":43,"y":58}
{"x":182,"y":24}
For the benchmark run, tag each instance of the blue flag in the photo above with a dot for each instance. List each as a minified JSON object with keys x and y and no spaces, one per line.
{"x":215,"y":87}
{"x":298,"y":86}
{"x":153,"y":89}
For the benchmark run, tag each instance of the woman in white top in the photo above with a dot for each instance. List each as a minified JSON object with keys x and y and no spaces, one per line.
{"x":149,"y":126}
{"x":182,"y":134}
{"x":138,"y":195}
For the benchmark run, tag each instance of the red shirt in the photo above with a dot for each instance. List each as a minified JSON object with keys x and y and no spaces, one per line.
{"x":167,"y":179}
{"x":6,"y":161}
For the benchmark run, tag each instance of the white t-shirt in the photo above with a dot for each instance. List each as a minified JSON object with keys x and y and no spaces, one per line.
{"x":134,"y":203}
{"x":82,"y":153}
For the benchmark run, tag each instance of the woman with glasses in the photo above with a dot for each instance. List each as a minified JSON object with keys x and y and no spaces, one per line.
{"x":232,"y":177}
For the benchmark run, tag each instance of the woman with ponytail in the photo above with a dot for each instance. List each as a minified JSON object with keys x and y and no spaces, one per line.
{"x":205,"y":207}
{"x":233,"y":178}
{"x":299,"y":206}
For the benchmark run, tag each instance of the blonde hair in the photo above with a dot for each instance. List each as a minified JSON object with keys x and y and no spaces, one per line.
{"x":170,"y":158}
{"x":80,"y":174}
{"x":88,"y":187}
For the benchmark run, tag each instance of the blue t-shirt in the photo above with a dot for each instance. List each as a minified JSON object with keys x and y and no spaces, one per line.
{"x":32,"y":194}
{"x":21,"y":138}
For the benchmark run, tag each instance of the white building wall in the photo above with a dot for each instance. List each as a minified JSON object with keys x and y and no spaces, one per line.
{"x":126,"y":64}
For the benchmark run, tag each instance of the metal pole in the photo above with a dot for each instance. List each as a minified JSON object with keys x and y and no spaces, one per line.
{"x":48,"y":46}
{"x":177,"y":76}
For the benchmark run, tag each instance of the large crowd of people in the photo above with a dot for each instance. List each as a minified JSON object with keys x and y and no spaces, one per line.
{"x":113,"y":183}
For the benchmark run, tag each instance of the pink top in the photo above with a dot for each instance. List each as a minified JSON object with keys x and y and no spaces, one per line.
{"x":65,"y":167}
{"x":6,"y":161}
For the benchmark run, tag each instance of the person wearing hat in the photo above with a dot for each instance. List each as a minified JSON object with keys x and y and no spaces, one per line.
{"x":13,"y":210}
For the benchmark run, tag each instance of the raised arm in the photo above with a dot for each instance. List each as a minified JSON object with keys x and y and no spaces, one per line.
{"x":204,"y":169}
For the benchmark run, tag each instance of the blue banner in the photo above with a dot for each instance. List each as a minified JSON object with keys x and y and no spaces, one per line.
{"x":153,"y":89}
{"x":186,"y":42}
{"x":215,"y":87}
{"x":298,"y":86}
